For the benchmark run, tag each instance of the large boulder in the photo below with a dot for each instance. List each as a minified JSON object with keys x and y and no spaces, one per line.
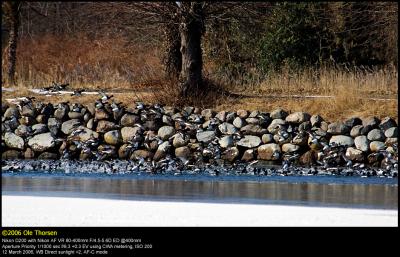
{"x":14,"y":141}
{"x":376,"y":135}
{"x":128,"y":133}
{"x":113,"y":137}
{"x":205,"y":136}
{"x":298,"y":117}
{"x":242,"y":114}
{"x":342,"y":140}
{"x":180,"y":140}
{"x":239,"y":122}
{"x":249,"y":142}
{"x":227,"y":128}
{"x":355,"y":154}
{"x":372,"y":122}
{"x":377,"y":146}
{"x":278,"y":114}
{"x":105,"y":125}
{"x":269,"y":152}
{"x":182,"y":152}
{"x":362,"y":143}
{"x":70,"y":125}
{"x":289,"y":148}
{"x":128,"y":120}
{"x":255,"y":130}
{"x":23,"y":131}
{"x":54,"y":125}
{"x":267,"y":138}
{"x":276,"y":125}
{"x":42,"y":142}
{"x":86,"y":134}
{"x":356,"y":131}
{"x":391,"y":132}
{"x":166,"y":132}
{"x":226,"y":141}
{"x":207,"y":114}
{"x":338,"y":128}
{"x":11,"y":112}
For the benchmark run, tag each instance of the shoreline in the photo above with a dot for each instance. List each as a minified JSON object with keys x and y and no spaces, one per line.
{"x":45,"y":211}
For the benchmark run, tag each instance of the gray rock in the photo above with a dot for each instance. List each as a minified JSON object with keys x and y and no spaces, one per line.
{"x":182,"y":152}
{"x":221,"y":116}
{"x":289,"y":148}
{"x":254,"y":114}
{"x":316,"y":120}
{"x":355,"y":154}
{"x":129,"y":133}
{"x":342,"y":140}
{"x":338,"y":128}
{"x":105,"y":125}
{"x":207,"y":114}
{"x":226,"y":141}
{"x":180,"y":140}
{"x":113,"y":137}
{"x":227,"y":128}
{"x":387,"y":123}
{"x":242,"y":114}
{"x":42,"y":142}
{"x":54,"y":125}
{"x":39,"y":128}
{"x":248,"y":155}
{"x":124,"y":151}
{"x":238,"y":122}
{"x":356,"y":131}
{"x":269,"y":152}
{"x":377,"y":146}
{"x":91,"y":107}
{"x":376,"y":135}
{"x":166,"y":132}
{"x":230,"y":154}
{"x":249,"y":142}
{"x":11,"y":112}
{"x":14,"y":141}
{"x":305,"y":126}
{"x":254,"y":130}
{"x":205,"y":136}
{"x":324,"y":126}
{"x":279,"y":114}
{"x":298,"y":117}
{"x":23,"y":131}
{"x":165,"y":146}
{"x":61,"y":112}
{"x":276,"y":125}
{"x":75,"y":115}
{"x":128,"y":120}
{"x":267,"y":138}
{"x":371,"y":121}
{"x":90,"y":124}
{"x":353,"y":122}
{"x":151,"y":125}
{"x":366,"y":129}
{"x":70,"y":125}
{"x":362,"y":143}
{"x":391,"y":132}
{"x":254,"y":121}
{"x":41,"y":119}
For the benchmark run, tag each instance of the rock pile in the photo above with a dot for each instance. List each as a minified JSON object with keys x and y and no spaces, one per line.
{"x":105,"y":130}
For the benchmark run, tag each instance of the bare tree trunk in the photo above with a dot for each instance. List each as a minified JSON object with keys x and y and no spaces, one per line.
{"x":14,"y":20}
{"x":173,"y":56}
{"x":191,"y":30}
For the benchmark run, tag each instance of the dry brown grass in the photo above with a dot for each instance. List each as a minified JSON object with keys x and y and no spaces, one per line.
{"x":101,"y":63}
{"x":116,"y":65}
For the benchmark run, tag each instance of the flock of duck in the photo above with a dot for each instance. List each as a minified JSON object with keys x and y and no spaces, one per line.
{"x":107,"y":137}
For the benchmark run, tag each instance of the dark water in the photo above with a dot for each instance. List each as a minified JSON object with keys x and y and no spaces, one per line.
{"x":354,"y":192}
